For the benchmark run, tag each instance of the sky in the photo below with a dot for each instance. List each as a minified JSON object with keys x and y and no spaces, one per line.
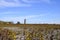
{"x":34,"y":11}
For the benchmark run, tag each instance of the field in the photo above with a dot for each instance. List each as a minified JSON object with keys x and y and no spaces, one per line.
{"x":30,"y":31}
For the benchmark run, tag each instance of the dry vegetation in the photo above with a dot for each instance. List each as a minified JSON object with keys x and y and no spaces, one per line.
{"x":6,"y":34}
{"x":33,"y":31}
{"x":10,"y":24}
{"x":31,"y":25}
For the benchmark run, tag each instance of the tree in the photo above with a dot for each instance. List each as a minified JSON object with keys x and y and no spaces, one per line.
{"x":18,"y":22}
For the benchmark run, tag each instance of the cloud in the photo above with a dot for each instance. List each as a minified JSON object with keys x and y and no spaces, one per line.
{"x":20,"y":18}
{"x":9,"y":12}
{"x":23,"y":17}
{"x":37,"y":1}
{"x":15,"y":3}
{"x":20,"y":3}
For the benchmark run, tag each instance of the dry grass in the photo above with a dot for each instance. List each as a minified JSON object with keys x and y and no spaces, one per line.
{"x":32,"y":25}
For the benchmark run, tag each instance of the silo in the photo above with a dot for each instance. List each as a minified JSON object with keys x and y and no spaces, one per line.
{"x":24,"y":21}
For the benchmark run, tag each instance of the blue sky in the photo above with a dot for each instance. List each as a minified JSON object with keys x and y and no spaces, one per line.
{"x":35,"y":11}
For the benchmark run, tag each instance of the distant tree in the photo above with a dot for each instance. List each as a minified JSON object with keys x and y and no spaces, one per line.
{"x":18,"y":22}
